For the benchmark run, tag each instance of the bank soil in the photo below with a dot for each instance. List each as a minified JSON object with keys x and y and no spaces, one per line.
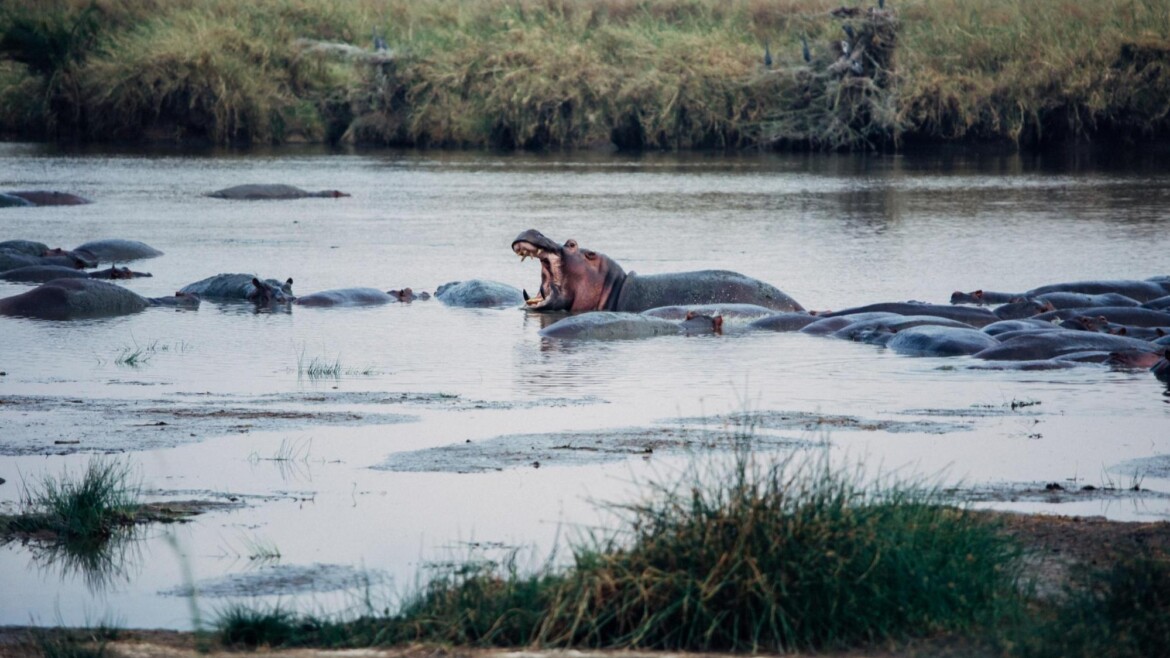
{"x":1055,"y":546}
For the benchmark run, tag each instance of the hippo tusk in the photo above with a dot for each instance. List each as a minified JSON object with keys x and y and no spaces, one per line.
{"x":525,"y":293}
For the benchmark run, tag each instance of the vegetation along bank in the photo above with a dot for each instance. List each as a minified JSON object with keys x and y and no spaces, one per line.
{"x":535,"y":74}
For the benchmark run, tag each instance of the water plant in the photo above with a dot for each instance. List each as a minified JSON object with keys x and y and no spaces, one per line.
{"x":318,"y":367}
{"x":90,"y":507}
{"x":133,"y":357}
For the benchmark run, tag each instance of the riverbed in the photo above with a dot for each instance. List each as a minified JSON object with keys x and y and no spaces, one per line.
{"x":441,"y":434}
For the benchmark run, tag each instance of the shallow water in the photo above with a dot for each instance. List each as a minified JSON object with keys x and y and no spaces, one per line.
{"x":830,"y":230}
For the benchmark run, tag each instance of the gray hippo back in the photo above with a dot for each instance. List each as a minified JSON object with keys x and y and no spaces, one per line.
{"x":644,"y":292}
{"x":117,"y":250}
{"x":261,"y":192}
{"x":240,"y":287}
{"x":73,"y":299}
{"x":479,"y":293}
{"x":346,"y":297}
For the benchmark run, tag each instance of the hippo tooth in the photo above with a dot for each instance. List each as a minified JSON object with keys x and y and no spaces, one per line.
{"x":525,"y":293}
{"x":534,"y":301}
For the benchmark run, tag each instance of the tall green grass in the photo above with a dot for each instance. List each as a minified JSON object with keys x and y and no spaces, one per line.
{"x":1120,"y":610}
{"x":742,"y":557}
{"x":671,"y":74}
{"x":753,"y":557}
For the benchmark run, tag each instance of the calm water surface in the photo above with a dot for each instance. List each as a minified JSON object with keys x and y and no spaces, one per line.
{"x":831,"y":231}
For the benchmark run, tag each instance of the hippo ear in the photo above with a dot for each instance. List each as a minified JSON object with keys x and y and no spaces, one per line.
{"x":717,"y":321}
{"x":1160,"y":332}
{"x":690,"y":315}
{"x":978,"y":294}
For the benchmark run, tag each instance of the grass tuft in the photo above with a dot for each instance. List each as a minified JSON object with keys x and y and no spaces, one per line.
{"x":272,"y":627}
{"x":62,"y":643}
{"x":318,"y":367}
{"x":1121,"y":611}
{"x":87,"y":509}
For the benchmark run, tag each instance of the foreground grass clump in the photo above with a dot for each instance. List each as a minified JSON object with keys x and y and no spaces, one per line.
{"x":638,"y":74}
{"x":86,"y":508}
{"x":778,"y":558}
{"x":240,"y":625}
{"x":742,"y":557}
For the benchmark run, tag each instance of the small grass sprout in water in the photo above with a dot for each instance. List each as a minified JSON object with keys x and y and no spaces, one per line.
{"x":90,"y":506}
{"x":318,"y":367}
{"x":132,"y":357}
{"x":136,"y":355}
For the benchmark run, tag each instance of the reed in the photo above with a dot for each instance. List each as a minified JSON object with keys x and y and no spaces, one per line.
{"x":638,"y":74}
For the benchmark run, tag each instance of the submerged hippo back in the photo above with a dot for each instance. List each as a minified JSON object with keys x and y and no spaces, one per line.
{"x":479,"y":293}
{"x":232,"y":287}
{"x":346,"y":297}
{"x":72,"y":299}
{"x":43,"y":274}
{"x":641,"y":293}
{"x":118,"y":250}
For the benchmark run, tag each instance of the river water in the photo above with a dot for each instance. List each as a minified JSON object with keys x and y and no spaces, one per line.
{"x":830,"y":230}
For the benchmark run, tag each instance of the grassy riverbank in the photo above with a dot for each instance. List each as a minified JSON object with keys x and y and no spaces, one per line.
{"x":738,"y":554}
{"x":580,"y":73}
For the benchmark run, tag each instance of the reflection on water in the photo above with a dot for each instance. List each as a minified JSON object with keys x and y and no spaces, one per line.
{"x":831,"y":230}
{"x":101,"y":563}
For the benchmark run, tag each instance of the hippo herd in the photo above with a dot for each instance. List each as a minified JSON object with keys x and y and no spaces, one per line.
{"x":246,"y":192}
{"x":1122,"y":323}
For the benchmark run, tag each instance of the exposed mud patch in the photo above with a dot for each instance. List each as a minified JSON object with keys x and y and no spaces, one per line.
{"x":63,"y":425}
{"x":569,"y":449}
{"x":174,"y":511}
{"x":749,"y":422}
{"x":448,"y":401}
{"x":1013,"y":408}
{"x":1157,"y":466}
{"x":282,"y":579}
{"x":1052,"y":492}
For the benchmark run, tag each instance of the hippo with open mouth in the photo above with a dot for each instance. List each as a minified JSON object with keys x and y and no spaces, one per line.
{"x":577,"y":280}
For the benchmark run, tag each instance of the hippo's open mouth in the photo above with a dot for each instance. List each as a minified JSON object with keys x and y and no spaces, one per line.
{"x":551,"y":272}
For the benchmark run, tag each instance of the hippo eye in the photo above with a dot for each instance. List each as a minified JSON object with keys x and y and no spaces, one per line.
{"x":589,"y":255}
{"x":571,"y":244}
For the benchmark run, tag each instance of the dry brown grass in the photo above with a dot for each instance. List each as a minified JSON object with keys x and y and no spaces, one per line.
{"x":671,"y":74}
